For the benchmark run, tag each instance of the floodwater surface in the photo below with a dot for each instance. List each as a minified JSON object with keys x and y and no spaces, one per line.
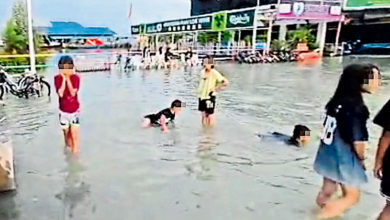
{"x":125,"y":172}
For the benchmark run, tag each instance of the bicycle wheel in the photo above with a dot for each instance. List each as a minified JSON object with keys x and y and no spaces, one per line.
{"x":14,"y":91}
{"x":29,"y":89}
{"x":45,"y":86}
{"x":1,"y":92}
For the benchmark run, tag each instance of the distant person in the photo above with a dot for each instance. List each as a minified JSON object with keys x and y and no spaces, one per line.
{"x":146,"y":52}
{"x":118,"y":59}
{"x":300,"y":137}
{"x":340,"y":157}
{"x":164,"y":117}
{"x":128,"y":63}
{"x":67,"y":84}
{"x":211,"y":82}
{"x":188,"y":57}
{"x":170,"y":59}
{"x":160,"y":58}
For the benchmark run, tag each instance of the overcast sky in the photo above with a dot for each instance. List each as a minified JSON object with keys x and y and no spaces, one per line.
{"x":109,"y":13}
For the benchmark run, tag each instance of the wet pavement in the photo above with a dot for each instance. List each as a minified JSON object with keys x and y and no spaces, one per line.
{"x":125,"y":172}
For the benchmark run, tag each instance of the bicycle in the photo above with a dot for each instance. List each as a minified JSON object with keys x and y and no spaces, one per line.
{"x":7,"y":85}
{"x":28,"y":84}
{"x":33,"y":84}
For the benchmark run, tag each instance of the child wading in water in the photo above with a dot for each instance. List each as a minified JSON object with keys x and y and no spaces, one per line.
{"x":341,"y":153}
{"x":211,"y":82}
{"x":67,"y":85}
{"x":164,"y":117}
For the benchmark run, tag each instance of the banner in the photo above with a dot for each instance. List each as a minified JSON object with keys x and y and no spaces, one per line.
{"x":135,"y":29}
{"x":309,"y":10}
{"x":181,"y":25}
{"x":365,"y":4}
{"x":219,"y":21}
{"x":241,"y":19}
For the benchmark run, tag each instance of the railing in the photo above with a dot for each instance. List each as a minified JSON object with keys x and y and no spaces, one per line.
{"x":109,"y":56}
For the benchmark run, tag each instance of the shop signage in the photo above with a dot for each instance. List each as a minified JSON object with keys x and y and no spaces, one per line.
{"x":181,"y":25}
{"x":240,"y":19}
{"x":309,"y":10}
{"x":219,"y":21}
{"x":365,"y":4}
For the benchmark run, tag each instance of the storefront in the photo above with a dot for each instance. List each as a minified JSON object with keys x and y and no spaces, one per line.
{"x":240,"y":23}
{"x":247,"y":23}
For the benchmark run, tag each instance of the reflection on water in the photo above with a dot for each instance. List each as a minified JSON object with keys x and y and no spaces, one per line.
{"x":205,"y":156}
{"x":8,"y":208}
{"x":125,"y":172}
{"x":75,"y":189}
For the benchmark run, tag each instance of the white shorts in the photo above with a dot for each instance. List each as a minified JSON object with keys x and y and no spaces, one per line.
{"x":69,"y":119}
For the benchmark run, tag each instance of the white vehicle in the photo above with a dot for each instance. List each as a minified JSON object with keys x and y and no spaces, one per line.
{"x":1,"y":43}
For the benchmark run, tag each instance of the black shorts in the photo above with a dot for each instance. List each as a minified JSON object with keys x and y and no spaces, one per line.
{"x":153,"y":120}
{"x":385,"y":183}
{"x":207,"y":105}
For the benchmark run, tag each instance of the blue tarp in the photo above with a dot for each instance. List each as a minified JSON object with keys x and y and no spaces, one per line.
{"x":76,"y":29}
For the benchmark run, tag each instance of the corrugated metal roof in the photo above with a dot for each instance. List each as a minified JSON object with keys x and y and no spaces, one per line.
{"x":75,"y":29}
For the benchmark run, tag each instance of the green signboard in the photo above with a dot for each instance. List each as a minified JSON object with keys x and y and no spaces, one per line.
{"x":241,"y":19}
{"x":219,"y":21}
{"x":180,"y":25}
{"x":138,"y":29}
{"x":365,"y":4}
{"x":142,"y":29}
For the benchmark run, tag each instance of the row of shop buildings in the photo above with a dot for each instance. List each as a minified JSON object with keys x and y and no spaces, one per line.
{"x":333,"y":21}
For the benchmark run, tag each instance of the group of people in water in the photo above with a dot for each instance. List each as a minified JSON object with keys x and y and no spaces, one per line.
{"x":164,"y":58}
{"x":251,"y":57}
{"x":341,"y":153}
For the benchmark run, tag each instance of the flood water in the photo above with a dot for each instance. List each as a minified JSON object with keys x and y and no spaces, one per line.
{"x":125,"y":172}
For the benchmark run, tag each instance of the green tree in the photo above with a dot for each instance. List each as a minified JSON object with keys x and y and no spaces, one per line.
{"x":302,"y":35}
{"x":278,"y":45}
{"x":208,"y":37}
{"x":227,"y":36}
{"x":15,"y":33}
{"x":262,"y":37}
{"x":14,"y":42}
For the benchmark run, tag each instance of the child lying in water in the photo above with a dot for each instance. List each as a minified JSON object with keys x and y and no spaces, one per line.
{"x":164,"y":117}
{"x":300,"y":137}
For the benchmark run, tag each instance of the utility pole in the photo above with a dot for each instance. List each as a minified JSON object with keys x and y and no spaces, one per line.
{"x":31,"y":38}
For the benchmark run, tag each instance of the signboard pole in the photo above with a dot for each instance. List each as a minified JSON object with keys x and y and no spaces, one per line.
{"x":322,"y":27}
{"x":239,"y":38}
{"x":269,"y":33}
{"x":195,"y":40}
{"x":173,"y":39}
{"x":31,"y":47}
{"x":156,"y":42}
{"x":254,"y":36}
{"x":338,"y":35}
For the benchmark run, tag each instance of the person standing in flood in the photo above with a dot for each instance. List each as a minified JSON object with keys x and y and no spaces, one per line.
{"x":67,"y":84}
{"x":211,"y":82}
{"x":382,"y":161}
{"x":340,"y":157}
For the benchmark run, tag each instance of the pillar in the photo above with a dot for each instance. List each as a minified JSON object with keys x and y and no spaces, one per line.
{"x":282,"y":32}
{"x":321,"y":36}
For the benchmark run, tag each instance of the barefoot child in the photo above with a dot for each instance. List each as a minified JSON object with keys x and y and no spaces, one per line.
{"x":164,"y":117}
{"x":211,"y":82}
{"x":341,"y":152}
{"x":67,"y":85}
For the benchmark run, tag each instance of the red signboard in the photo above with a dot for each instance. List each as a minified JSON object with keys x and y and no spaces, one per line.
{"x":309,"y":10}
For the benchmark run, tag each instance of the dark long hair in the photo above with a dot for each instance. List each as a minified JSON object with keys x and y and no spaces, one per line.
{"x":350,"y":84}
